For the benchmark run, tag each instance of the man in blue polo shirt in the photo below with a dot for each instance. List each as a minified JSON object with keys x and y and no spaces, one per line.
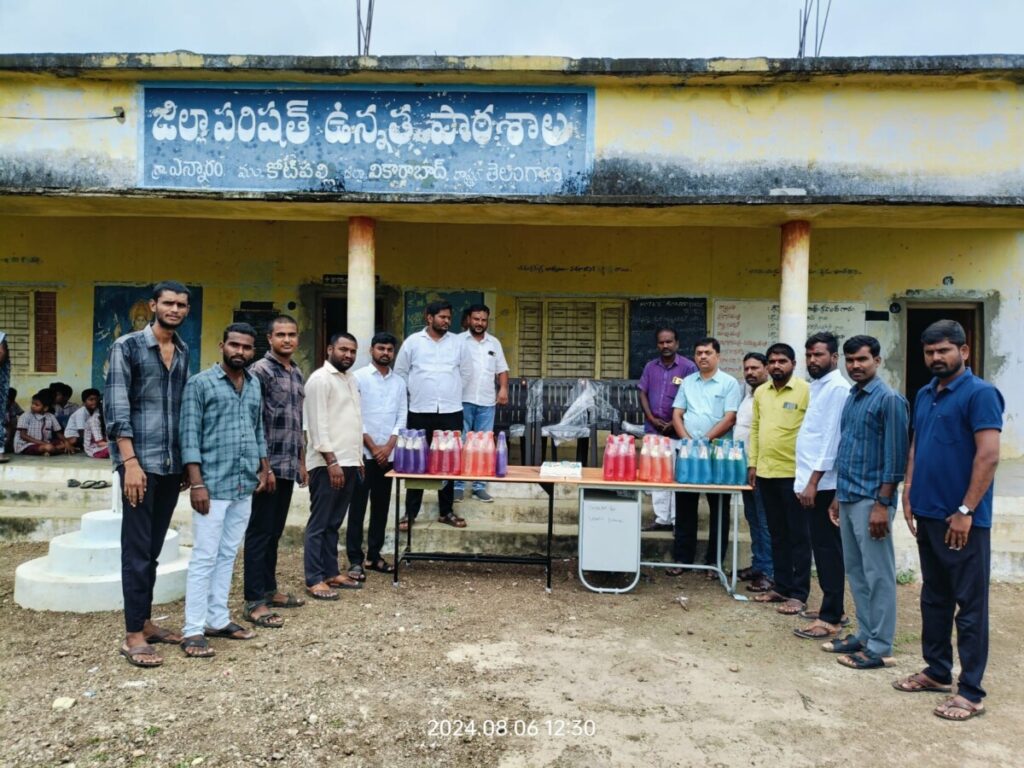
{"x":947,"y":501}
{"x":705,"y":407}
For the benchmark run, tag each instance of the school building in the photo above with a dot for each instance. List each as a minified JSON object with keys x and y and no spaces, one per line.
{"x":586,"y":201}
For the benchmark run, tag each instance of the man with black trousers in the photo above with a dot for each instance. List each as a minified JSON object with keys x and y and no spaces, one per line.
{"x":385,"y":406}
{"x":283,"y":396}
{"x":817,"y":445}
{"x":334,"y":459}
{"x":779,"y":408}
{"x":146,"y":377}
{"x":433,"y":364}
{"x":947,"y":502}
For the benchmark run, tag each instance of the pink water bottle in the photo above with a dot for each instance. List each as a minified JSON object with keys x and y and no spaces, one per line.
{"x":434,"y":466}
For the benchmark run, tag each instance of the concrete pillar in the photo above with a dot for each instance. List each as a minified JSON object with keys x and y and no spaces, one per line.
{"x":361,"y":284}
{"x":795,"y":262}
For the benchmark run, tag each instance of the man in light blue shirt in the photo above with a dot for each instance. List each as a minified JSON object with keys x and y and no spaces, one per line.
{"x":384,"y":401}
{"x":705,"y":408}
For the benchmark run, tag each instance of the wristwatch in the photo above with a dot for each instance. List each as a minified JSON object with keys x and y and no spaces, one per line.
{"x":963,"y":509}
{"x":885,"y":501}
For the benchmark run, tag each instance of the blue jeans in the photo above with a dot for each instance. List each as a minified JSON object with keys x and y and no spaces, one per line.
{"x":760,"y":539}
{"x":476,"y":418}
{"x":216,"y":537}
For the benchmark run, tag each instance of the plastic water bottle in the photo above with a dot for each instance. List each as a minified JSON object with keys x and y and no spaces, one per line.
{"x":490,"y":451}
{"x":610,"y":447}
{"x":702,"y":476}
{"x":501,"y":456}
{"x":644,"y":475}
{"x":434,"y":459}
{"x":739,"y":463}
{"x":683,"y":462}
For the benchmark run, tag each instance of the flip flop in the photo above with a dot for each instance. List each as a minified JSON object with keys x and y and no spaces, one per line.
{"x":197,"y":641}
{"x":72,"y":483}
{"x":88,"y":484}
{"x":972,"y":709}
{"x":769,"y":597}
{"x":100,"y":484}
{"x":322,"y":594}
{"x":453,"y":520}
{"x":231,"y":631}
{"x":819,"y":630}
{"x":163,"y":636}
{"x":844,"y":621}
{"x":140,"y":650}
{"x":791,"y":607}
{"x":919,"y":683}
{"x":381,"y":566}
{"x":336,"y":583}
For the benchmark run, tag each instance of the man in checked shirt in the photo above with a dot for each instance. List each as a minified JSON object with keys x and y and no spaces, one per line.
{"x":142,"y":402}
{"x":283,"y":395}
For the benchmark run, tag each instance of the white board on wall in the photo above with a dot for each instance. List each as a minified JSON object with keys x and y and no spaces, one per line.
{"x":743,"y":325}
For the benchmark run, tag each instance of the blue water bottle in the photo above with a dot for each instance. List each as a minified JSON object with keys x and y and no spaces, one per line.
{"x":682,"y":462}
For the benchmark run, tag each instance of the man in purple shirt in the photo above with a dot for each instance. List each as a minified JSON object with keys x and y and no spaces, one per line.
{"x":658,"y":386}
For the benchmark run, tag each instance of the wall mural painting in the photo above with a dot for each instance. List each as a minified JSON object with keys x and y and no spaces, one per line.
{"x":121,"y":309}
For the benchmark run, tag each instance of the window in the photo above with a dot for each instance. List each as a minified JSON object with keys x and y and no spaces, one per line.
{"x":566,"y":338}
{"x":30,"y":320}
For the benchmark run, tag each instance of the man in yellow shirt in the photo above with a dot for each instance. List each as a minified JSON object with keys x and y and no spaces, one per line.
{"x":779,"y":408}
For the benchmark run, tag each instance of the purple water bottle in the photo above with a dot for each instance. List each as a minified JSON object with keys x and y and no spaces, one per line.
{"x":400,"y":461}
{"x":421,"y":449}
{"x":501,"y":457}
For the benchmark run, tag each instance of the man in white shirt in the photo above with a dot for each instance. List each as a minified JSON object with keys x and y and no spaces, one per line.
{"x":817,"y":445}
{"x":761,"y":572}
{"x":433,"y":365}
{"x":334,"y":460}
{"x":479,"y":400}
{"x":385,"y":406}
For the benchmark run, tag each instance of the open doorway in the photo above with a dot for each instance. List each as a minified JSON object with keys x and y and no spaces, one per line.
{"x":919,"y":317}
{"x":332,"y":318}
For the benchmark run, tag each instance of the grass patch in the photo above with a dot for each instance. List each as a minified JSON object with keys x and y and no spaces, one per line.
{"x":906,"y":576}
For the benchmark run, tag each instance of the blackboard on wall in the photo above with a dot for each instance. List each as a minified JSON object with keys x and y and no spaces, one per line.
{"x":416,"y":302}
{"x":688,"y":315}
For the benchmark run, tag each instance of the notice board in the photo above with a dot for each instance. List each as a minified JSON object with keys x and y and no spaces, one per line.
{"x":688,"y":315}
{"x":743,"y":326}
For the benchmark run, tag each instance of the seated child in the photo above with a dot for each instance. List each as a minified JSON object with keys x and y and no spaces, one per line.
{"x":39,"y":432}
{"x":75,"y":427}
{"x":62,"y":407}
{"x":95,"y":435}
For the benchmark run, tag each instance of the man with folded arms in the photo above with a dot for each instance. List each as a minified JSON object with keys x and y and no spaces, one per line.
{"x":334,"y":460}
{"x":225,"y":455}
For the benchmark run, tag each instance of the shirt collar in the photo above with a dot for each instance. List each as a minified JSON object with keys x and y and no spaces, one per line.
{"x":222,"y":374}
{"x":933,"y":385}
{"x":151,"y":340}
{"x":676,"y":362}
{"x":428,"y":337}
{"x":870,"y":387}
{"x":332,"y":370}
{"x":830,"y":376}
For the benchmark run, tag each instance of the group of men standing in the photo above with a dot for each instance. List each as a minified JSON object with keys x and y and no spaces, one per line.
{"x":825,"y":463}
{"x":239,"y":436}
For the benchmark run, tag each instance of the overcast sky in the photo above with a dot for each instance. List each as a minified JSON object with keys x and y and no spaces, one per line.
{"x":616,"y":28}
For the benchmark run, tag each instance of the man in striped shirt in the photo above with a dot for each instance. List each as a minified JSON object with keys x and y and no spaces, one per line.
{"x":872,"y":458}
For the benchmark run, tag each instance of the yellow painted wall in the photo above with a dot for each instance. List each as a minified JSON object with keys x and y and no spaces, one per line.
{"x":269,"y":261}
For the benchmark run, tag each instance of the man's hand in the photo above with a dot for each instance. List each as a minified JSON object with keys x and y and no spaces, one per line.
{"x":502,"y":396}
{"x":380,"y":454}
{"x":833,"y":512}
{"x":268,"y":482}
{"x":660,"y":424}
{"x":200,"y":499}
{"x":303,"y":475}
{"x":908,"y":513}
{"x":134,"y":482}
{"x":959,"y":530}
{"x":807,"y":496}
{"x":337,"y":477}
{"x":362,"y":473}
{"x":185,"y":483}
{"x":752,"y":477}
{"x":878,"y":521}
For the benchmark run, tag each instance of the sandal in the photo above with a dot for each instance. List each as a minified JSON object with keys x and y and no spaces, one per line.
{"x":919,"y":682}
{"x":405,"y":524}
{"x":72,"y":483}
{"x":844,"y":620}
{"x":322,"y":594}
{"x":265,"y":620}
{"x":357,"y":572}
{"x":453,"y":520}
{"x":958,"y":704}
{"x":290,"y":601}
{"x":769,"y":597}
{"x":381,"y":566}
{"x":848,"y":644}
{"x":164,"y":636}
{"x":100,"y":484}
{"x":88,"y":484}
{"x":791,"y":607}
{"x":197,"y":641}
{"x":339,"y":582}
{"x":862,"y":660}
{"x":231,"y":631}
{"x":818,"y":630}
{"x":674,"y":571}
{"x":133,"y":653}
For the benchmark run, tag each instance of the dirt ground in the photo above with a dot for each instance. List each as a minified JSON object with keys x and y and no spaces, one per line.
{"x":395,"y":677}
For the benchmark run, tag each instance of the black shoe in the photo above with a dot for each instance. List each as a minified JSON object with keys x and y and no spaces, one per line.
{"x":658,"y":527}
